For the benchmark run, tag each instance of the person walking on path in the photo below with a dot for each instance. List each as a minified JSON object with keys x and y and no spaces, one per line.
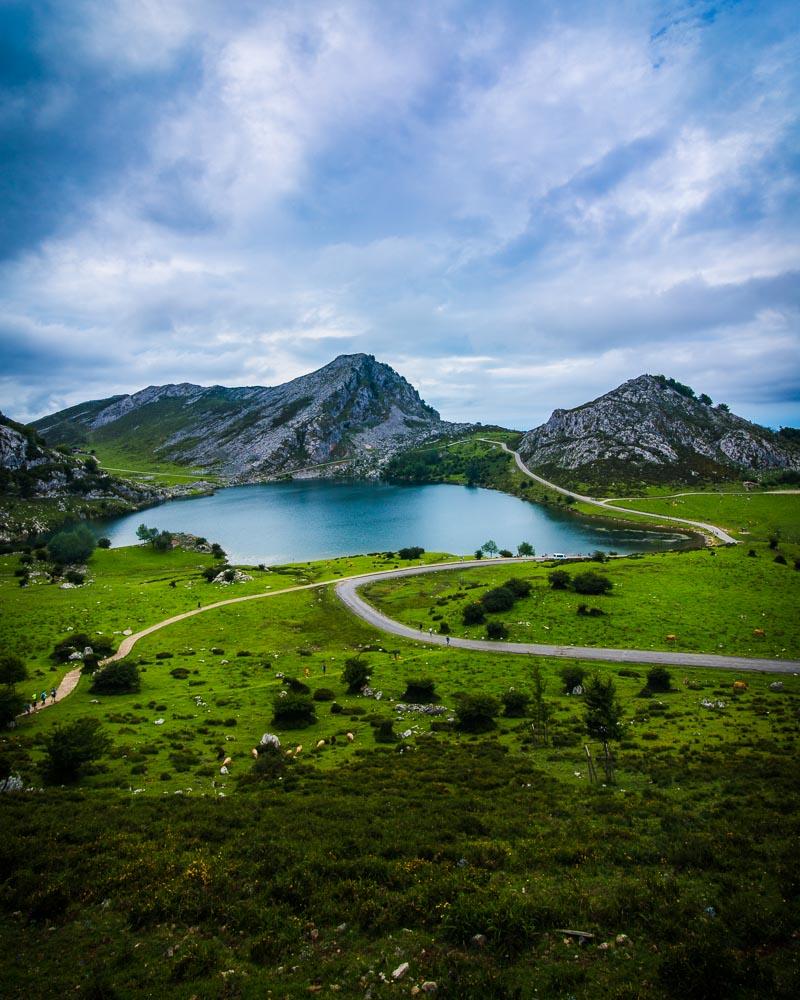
{"x":53,"y":694}
{"x":34,"y":699}
{"x":44,"y":698}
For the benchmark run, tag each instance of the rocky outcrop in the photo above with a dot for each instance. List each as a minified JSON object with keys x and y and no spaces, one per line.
{"x":355,"y":412}
{"x":654,"y":428}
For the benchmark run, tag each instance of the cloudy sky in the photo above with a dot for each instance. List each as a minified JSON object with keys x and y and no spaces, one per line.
{"x":518,"y":205}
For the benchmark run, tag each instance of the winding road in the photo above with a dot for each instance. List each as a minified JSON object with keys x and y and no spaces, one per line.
{"x":707,"y":529}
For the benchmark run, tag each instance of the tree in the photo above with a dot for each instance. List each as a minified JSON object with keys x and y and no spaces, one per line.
{"x":217,"y":551}
{"x":473,"y":614}
{"x":705,"y":398}
{"x":498,"y":599}
{"x":145,"y":534}
{"x":411,"y":552}
{"x":525,"y":549}
{"x":572,"y":677}
{"x":479,"y":553}
{"x":74,"y":545}
{"x":603,"y":709}
{"x":104,"y":543}
{"x":541,"y":709}
{"x":490,"y":547}
{"x":12,"y":671}
{"x":69,"y":748}
{"x":163,"y":541}
{"x":293,"y":711}
{"x":476,"y":712}
{"x":496,"y":630}
{"x":420,"y":691}
{"x":356,"y":673}
{"x":559,"y":579}
{"x":592,"y":583}
{"x":515,"y":704}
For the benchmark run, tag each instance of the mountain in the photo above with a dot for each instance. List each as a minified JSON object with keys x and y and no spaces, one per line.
{"x":653,"y":429}
{"x":355,"y":412}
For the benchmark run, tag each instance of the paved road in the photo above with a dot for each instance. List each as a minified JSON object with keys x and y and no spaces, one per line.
{"x":347,"y":590}
{"x":707,"y":529}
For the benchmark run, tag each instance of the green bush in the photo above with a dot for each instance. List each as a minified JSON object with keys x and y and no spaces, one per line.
{"x":444,"y":628}
{"x":385,"y":733}
{"x":324,"y":694}
{"x":572,"y":676}
{"x":592,"y":583}
{"x":473,"y":614}
{"x":659,"y":679}
{"x":296,"y":686}
{"x":496,"y":630}
{"x":515,"y":704}
{"x":104,"y":543}
{"x":559,"y":579}
{"x":73,"y":545}
{"x":476,"y":712}
{"x":412,"y":552}
{"x":119,"y":677}
{"x":519,"y":588}
{"x":420,"y":691}
{"x":293,"y":711}
{"x":498,"y":599}
{"x":70,"y":748}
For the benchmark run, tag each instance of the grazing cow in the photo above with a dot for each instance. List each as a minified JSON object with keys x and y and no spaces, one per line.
{"x":350,"y":737}
{"x":320,"y":744}
{"x":254,"y":753}
{"x":228,"y":760}
{"x":671,"y":638}
{"x":739,"y":687}
{"x":298,"y":749}
{"x":759,"y":632}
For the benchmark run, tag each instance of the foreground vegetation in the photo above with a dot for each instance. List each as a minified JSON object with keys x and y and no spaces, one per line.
{"x":178,"y":865}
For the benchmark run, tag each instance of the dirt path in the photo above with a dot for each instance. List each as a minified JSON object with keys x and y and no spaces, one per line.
{"x":68,"y":684}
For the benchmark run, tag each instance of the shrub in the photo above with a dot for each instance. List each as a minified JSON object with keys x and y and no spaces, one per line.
{"x":336,"y":708}
{"x":104,"y":543}
{"x":293,"y":711}
{"x":385,"y":733}
{"x":73,"y":545}
{"x":12,"y":670}
{"x":599,"y":556}
{"x":473,"y":614}
{"x":412,"y":552}
{"x":559,"y":579}
{"x":119,"y":677}
{"x":751,"y":553}
{"x":356,"y":674}
{"x":498,"y":599}
{"x":659,"y":679}
{"x":270,"y":763}
{"x":179,"y":673}
{"x":420,"y":691}
{"x":77,"y":642}
{"x":588,"y":612}
{"x":75,"y":576}
{"x":572,"y":677}
{"x":505,"y":553}
{"x":69,"y":748}
{"x":496,"y":630}
{"x":217,"y":551}
{"x":11,"y":704}
{"x":166,"y":655}
{"x":476,"y":712}
{"x":324,"y":694}
{"x":592,"y":583}
{"x":780,"y":559}
{"x":444,"y":628}
{"x":515,"y":704}
{"x":519,"y":588}
{"x":296,"y":686}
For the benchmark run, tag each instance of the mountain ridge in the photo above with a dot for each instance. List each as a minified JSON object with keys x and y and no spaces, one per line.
{"x":354,"y":410}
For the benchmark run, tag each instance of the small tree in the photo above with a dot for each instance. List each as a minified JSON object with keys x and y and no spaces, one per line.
{"x":104,"y":543}
{"x":592,"y":583}
{"x":411,"y":552}
{"x":356,"y":673}
{"x":74,"y":545}
{"x":476,"y":712}
{"x":498,"y":599}
{"x":559,"y":579}
{"x":519,"y":588}
{"x":490,"y":547}
{"x":525,"y":549}
{"x":70,"y":748}
{"x":217,"y":551}
{"x":541,"y":710}
{"x":12,"y":671}
{"x":145,"y":534}
{"x":163,"y":541}
{"x":603,"y":709}
{"x":384,"y":732}
{"x":479,"y":553}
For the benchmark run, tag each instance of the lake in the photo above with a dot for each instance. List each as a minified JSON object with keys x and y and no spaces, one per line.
{"x":317,"y":519}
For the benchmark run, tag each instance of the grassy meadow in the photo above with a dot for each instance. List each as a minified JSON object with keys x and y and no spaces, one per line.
{"x":466,"y":855}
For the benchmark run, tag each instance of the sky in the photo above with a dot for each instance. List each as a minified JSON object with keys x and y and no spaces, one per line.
{"x":517,"y":205}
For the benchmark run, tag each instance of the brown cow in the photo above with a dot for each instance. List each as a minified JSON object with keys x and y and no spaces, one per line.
{"x":739,"y":687}
{"x":758,"y":632}
{"x":671,"y":638}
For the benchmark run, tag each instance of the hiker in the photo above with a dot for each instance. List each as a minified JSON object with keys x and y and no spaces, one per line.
{"x":44,"y":698}
{"x":34,"y":699}
{"x":447,"y":640}
{"x":53,"y":694}
{"x":324,"y":668}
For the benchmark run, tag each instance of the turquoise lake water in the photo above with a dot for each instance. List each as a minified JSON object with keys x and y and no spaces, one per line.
{"x":313,"y":519}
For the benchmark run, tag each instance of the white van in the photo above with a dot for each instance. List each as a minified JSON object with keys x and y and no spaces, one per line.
{"x":559,"y":555}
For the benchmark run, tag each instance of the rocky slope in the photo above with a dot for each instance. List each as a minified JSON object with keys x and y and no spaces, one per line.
{"x":42,"y":487}
{"x":653,"y":429}
{"x":354,"y":411}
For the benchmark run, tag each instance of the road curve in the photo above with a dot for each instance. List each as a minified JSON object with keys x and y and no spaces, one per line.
{"x":347,"y":591}
{"x":708,"y":529}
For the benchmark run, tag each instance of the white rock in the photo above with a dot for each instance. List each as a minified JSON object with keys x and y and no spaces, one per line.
{"x":400,"y":971}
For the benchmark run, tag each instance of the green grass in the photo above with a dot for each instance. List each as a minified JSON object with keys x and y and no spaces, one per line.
{"x":712,"y":603}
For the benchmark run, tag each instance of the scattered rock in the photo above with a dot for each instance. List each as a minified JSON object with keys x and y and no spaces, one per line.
{"x":400,"y":971}
{"x":479,"y":940}
{"x":429,"y":986}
